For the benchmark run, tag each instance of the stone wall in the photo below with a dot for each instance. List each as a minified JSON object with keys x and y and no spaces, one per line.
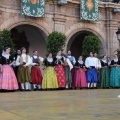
{"x":66,"y":19}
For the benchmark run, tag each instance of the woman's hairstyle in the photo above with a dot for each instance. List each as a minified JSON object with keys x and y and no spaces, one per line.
{"x":22,"y":48}
{"x":6,"y":47}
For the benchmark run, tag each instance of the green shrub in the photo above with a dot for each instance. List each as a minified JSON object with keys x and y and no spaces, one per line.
{"x":90,"y":44}
{"x":5,"y":39}
{"x":55,"y":42}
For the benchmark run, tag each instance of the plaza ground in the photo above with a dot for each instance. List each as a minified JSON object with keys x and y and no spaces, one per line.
{"x":100,"y":104}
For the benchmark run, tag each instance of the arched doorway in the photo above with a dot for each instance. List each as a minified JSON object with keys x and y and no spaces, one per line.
{"x":31,"y":37}
{"x":76,"y":41}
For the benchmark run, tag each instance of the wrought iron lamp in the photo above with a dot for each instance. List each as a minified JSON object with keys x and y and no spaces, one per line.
{"x":118,"y":34}
{"x":118,"y":37}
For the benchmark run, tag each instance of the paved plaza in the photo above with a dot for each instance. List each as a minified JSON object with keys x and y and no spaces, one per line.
{"x":100,"y":104}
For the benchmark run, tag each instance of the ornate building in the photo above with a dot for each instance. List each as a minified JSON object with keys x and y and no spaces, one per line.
{"x":65,"y":19}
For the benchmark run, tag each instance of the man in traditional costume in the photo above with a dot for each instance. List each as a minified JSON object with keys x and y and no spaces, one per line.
{"x":36,"y":74}
{"x":71,"y":58}
{"x":98,"y":66}
{"x":73,"y":61}
{"x":24,"y":78}
{"x":91,"y":74}
{"x":15,"y":68}
{"x":67,"y":69}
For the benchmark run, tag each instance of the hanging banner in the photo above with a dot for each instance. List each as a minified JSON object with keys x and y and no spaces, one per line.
{"x":89,"y":10}
{"x":34,"y":8}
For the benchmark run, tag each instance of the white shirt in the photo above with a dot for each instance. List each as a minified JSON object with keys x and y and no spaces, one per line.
{"x":24,"y":60}
{"x":91,"y":61}
{"x":68,"y":62}
{"x":73,"y":58}
{"x":40,"y":58}
{"x":98,"y":62}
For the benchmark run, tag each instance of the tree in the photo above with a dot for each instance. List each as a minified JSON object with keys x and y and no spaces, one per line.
{"x":5,"y":39}
{"x":55,"y":42}
{"x":90,"y":44}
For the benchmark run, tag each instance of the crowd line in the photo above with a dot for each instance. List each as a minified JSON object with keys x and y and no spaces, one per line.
{"x":60,"y":72}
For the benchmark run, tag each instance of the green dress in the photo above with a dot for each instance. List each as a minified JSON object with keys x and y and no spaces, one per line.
{"x":115,"y":74}
{"x":104,"y":75}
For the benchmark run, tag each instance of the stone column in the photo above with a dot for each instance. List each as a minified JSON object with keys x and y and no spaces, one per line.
{"x":59,"y":18}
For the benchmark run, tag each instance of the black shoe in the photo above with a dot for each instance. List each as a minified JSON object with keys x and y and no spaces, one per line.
{"x":27,"y":90}
{"x":22,"y":89}
{"x":39,"y":89}
{"x":35,"y":89}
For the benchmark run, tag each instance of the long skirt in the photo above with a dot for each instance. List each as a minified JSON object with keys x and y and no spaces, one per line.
{"x":91,"y":75}
{"x":79,"y":78}
{"x":8,"y":79}
{"x":105,"y":79}
{"x":115,"y":77}
{"x":36,"y":75}
{"x":49,"y":79}
{"x":68,"y":76}
{"x":23,"y":74}
{"x":60,"y":75}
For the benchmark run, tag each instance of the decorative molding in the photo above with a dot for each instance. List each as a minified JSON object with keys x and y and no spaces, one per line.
{"x":59,"y":20}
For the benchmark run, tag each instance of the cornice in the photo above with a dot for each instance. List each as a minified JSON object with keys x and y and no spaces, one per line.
{"x":70,"y":2}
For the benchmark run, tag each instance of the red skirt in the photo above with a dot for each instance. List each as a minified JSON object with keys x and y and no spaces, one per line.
{"x":79,"y":78}
{"x":36,"y":75}
{"x":60,"y":75}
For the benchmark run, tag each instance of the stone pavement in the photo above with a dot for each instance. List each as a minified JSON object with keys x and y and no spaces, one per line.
{"x":100,"y":104}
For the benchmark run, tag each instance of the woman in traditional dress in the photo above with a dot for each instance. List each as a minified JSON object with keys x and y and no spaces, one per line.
{"x":67,"y":69}
{"x":60,"y":70}
{"x":109,"y":61}
{"x":36,"y":74}
{"x":104,"y":73}
{"x":79,"y":80}
{"x":115,"y":72}
{"x":8,"y":79}
{"x":49,"y":78}
{"x":24,"y":78}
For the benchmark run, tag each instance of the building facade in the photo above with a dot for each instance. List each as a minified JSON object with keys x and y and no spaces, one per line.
{"x":62,"y":18}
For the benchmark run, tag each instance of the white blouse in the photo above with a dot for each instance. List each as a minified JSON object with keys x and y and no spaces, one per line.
{"x":24,"y":60}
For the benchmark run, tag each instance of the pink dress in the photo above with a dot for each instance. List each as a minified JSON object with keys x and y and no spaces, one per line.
{"x":79,"y":78}
{"x":8,"y":79}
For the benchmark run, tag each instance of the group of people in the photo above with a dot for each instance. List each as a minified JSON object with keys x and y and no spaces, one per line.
{"x":60,"y":72}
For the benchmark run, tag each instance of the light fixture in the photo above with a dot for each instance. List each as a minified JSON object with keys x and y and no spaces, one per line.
{"x":118,"y":34}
